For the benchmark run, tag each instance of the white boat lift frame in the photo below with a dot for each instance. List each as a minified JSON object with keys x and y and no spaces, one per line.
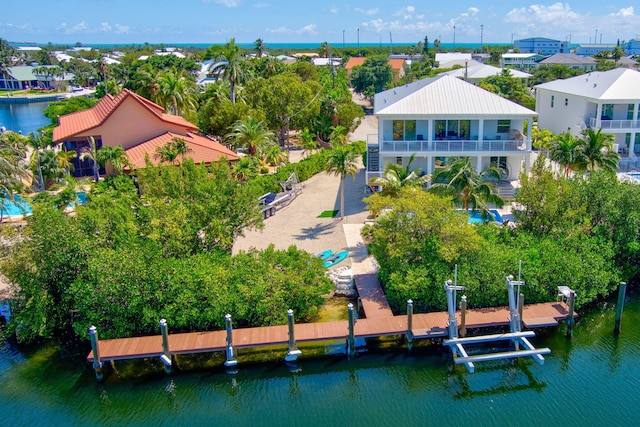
{"x":516,"y":335}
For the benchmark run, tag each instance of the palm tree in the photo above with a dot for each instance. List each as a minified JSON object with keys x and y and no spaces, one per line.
{"x":181,"y":147}
{"x":252,"y":135}
{"x":49,"y":166}
{"x":245,"y":169}
{"x":114,"y":155}
{"x":259,"y":47}
{"x":229,"y":66}
{"x":567,"y":151}
{"x":470,"y":189}
{"x":597,"y":151}
{"x":146,"y":81}
{"x":176,"y":92}
{"x":12,"y":168}
{"x":38,"y":142}
{"x":396,"y":177}
{"x":338,"y":136}
{"x":167,"y":153}
{"x":91,"y":153}
{"x":274,"y":156}
{"x":64,"y":159}
{"x":309,"y":143}
{"x":342,"y":162}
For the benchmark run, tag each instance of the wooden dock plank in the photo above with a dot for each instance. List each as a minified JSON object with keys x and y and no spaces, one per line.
{"x":374,"y":302}
{"x":425,"y":325}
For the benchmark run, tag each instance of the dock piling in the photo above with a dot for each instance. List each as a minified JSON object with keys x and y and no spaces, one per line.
{"x":409,"y":335}
{"x":463,"y":316}
{"x":231,"y":360}
{"x":293,"y":353}
{"x":97,"y":363}
{"x":622,"y":290}
{"x":351,"y":343}
{"x":570,"y":319}
{"x":166,"y":355}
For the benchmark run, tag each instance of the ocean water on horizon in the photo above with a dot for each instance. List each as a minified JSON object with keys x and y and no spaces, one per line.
{"x":298,"y":46}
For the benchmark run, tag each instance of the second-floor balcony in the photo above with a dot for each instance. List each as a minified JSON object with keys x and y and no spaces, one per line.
{"x":613,"y":124}
{"x":452,"y":145}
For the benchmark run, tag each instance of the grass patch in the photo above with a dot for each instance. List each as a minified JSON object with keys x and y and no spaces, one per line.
{"x":328,"y":214}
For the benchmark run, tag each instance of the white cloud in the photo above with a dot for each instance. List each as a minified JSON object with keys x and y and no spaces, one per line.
{"x":405,"y":12}
{"x":624,"y":12}
{"x":122,"y":29}
{"x":227,"y":3}
{"x":104,"y":27}
{"x":368,"y":12}
{"x":261,"y":5}
{"x":538,"y":13}
{"x":307,"y":29}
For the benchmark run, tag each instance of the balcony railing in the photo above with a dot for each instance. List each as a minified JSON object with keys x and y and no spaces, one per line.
{"x":453,"y":146}
{"x":613,"y":124}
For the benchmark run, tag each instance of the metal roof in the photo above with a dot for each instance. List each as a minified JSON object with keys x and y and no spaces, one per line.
{"x":445,"y":95}
{"x":569,"y":59}
{"x":618,"y":84}
{"x":482,"y":71}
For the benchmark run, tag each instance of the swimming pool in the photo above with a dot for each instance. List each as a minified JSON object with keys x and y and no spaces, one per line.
{"x":19,"y":206}
{"x":476,"y":217}
{"x":634,"y":175}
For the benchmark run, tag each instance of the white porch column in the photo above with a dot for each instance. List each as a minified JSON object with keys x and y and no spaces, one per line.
{"x":479,"y":164}
{"x":429,"y":170}
{"x":632,"y":144}
{"x":480,"y":131}
{"x":598,"y":114}
{"x":529,"y":136}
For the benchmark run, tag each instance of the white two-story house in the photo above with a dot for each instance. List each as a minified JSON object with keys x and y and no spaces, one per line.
{"x":442,"y":117}
{"x":609,"y":100}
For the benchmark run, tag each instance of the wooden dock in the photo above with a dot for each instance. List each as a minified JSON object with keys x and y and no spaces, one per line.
{"x":379,"y":321}
{"x":425,"y":325}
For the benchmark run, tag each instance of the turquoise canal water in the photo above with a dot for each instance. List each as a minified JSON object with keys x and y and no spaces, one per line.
{"x":591,"y":380}
{"x":24,"y":117}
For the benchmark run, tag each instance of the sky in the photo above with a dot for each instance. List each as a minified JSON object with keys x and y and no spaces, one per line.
{"x":300,"y":21}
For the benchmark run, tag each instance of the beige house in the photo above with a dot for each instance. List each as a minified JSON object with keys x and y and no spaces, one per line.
{"x":139,"y":126}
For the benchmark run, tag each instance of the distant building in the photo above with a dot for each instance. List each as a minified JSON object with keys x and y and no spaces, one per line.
{"x":449,"y":59}
{"x":398,"y":66}
{"x":542,"y":46}
{"x":607,"y":100}
{"x":24,"y":77}
{"x":475,"y":74}
{"x":632,"y":47}
{"x":570,"y":60}
{"x":593,"y":49}
{"x":525,"y":61}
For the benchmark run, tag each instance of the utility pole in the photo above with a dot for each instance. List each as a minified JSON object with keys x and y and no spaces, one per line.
{"x":595,"y":39}
{"x":454,"y":36}
{"x":358,"y":31}
{"x":343,"y":39}
{"x":481,"y":35}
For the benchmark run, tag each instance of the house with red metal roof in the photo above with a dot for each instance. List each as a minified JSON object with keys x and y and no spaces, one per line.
{"x":398,"y":66}
{"x":139,"y":126}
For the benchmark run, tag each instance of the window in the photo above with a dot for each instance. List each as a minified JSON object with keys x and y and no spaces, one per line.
{"x":630,"y":112}
{"x":607,"y":112}
{"x":398,"y":130}
{"x":552,"y":99}
{"x":399,"y":161}
{"x":566,"y":102}
{"x":452,"y":129}
{"x":404,"y":130}
{"x":504,"y":126}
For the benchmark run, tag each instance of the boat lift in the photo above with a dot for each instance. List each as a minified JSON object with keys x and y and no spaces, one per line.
{"x":516,"y":335}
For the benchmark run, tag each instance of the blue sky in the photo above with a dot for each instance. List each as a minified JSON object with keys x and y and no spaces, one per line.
{"x":279,"y":21}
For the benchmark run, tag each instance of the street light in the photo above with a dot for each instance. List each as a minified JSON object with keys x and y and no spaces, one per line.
{"x":454,"y":36}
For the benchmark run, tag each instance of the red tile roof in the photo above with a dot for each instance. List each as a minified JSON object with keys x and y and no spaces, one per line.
{"x":397,"y":64}
{"x":204,"y":150}
{"x":81,"y":121}
{"x":354,"y":61}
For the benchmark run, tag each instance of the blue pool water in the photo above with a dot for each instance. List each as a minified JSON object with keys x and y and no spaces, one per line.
{"x":634,"y":175}
{"x":18,"y":206}
{"x":476,"y":217}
